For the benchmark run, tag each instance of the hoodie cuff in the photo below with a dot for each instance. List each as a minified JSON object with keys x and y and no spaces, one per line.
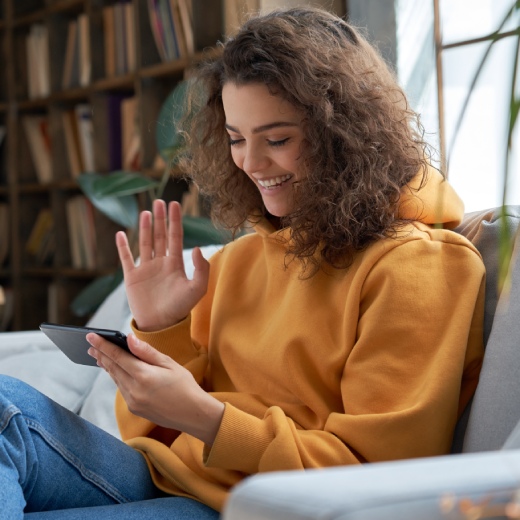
{"x":240,"y":443}
{"x":174,"y":341}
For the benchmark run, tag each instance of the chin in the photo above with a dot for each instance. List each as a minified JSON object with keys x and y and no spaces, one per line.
{"x":279,"y":213}
{"x":277,"y":210}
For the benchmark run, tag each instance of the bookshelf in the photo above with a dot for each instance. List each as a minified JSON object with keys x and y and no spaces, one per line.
{"x":69,"y":63}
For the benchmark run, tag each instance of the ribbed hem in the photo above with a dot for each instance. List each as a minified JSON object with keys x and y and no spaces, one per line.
{"x":174,"y":341}
{"x":240,"y":443}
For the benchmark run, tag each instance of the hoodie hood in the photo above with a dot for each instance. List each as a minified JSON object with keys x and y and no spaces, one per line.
{"x":434,"y":203}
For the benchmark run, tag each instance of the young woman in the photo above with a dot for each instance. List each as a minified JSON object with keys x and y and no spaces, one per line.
{"x":347,"y":328}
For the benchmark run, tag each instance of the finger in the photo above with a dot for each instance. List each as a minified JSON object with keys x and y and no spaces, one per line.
{"x":123,"y":250}
{"x":159,"y":228}
{"x":145,"y":352}
{"x":103,"y":347}
{"x":110,"y":357}
{"x":112,"y":369}
{"x":145,"y":236}
{"x":201,"y":273}
{"x":175,"y":234}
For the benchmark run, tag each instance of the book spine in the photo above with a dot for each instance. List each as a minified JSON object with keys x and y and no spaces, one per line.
{"x":85,"y":64}
{"x":85,"y":128}
{"x":36,"y":130}
{"x":180,"y":37}
{"x":119,"y":32}
{"x":109,"y":40}
{"x":130,"y":34}
{"x":187,"y":24}
{"x":156,"y":27}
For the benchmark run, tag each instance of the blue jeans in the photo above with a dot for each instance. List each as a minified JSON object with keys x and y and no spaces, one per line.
{"x":55,"y":465}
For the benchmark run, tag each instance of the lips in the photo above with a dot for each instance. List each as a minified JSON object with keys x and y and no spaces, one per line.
{"x":273,"y":182}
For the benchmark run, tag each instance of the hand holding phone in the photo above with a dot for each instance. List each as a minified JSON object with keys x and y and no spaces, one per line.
{"x":71,"y":340}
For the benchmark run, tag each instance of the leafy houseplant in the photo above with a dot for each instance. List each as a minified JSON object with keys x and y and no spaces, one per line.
{"x":115,"y":195}
{"x":508,"y":505}
{"x":513,"y":13}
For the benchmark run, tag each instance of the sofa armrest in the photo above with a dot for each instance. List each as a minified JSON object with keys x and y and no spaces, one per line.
{"x":406,"y":490}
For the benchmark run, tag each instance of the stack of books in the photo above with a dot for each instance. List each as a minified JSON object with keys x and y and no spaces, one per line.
{"x":172,"y":28}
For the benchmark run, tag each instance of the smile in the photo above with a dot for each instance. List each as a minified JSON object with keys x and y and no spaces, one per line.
{"x":274,"y":182}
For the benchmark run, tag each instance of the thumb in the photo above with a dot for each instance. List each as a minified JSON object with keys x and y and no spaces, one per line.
{"x":145,"y":352}
{"x":201,"y":274}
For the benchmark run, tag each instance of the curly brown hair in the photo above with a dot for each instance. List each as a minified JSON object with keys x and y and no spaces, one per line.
{"x":363,"y":143}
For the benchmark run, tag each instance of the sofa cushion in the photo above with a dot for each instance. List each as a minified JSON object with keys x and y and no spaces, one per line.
{"x":495,"y":410}
{"x":98,"y":407}
{"x":49,"y":371}
{"x":113,"y":312}
{"x":483,"y":228}
{"x":513,"y":441}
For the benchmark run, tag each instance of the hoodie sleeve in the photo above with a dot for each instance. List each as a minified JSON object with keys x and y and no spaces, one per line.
{"x":176,"y":342}
{"x":417,"y":356}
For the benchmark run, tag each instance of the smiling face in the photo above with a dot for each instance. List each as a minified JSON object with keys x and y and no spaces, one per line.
{"x":266,"y":136}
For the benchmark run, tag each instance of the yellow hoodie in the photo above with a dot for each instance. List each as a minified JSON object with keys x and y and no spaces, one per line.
{"x":370,"y":363}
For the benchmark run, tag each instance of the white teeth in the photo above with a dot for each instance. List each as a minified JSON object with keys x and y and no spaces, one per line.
{"x":276,"y":181}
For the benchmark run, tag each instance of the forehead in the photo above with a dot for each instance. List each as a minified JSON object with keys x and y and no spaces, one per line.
{"x":254,"y":102}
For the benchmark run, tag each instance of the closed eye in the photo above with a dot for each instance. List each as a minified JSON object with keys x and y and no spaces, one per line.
{"x":278,"y":143}
{"x":234,"y":142}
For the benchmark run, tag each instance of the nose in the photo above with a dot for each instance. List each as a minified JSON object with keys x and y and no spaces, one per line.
{"x":254,"y":160}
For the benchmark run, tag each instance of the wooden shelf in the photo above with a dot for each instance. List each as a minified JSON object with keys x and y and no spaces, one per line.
{"x":123,"y":82}
{"x":37,"y":278}
{"x":38,"y":272}
{"x":33,"y":104}
{"x":28,"y":19}
{"x":66,"y":272}
{"x":25,"y":189}
{"x":34,"y":187}
{"x":62,"y":6}
{"x":84,"y":274}
{"x":164,"y":69}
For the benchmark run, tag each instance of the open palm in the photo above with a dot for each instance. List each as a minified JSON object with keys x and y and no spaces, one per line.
{"x":158,"y":290}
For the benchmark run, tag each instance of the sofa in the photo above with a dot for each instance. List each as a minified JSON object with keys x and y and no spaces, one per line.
{"x":482,"y":472}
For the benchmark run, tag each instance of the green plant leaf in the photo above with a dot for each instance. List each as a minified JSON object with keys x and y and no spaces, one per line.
{"x":90,"y":298}
{"x":200,"y":231}
{"x":492,"y":38}
{"x":122,"y":183}
{"x":172,"y":111}
{"x":122,"y":210}
{"x":171,"y":153}
{"x":515,"y":108}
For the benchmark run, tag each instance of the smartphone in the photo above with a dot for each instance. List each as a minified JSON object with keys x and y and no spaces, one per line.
{"x":71,"y":340}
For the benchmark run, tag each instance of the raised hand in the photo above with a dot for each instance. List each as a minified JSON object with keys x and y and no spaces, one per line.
{"x":158,"y":290}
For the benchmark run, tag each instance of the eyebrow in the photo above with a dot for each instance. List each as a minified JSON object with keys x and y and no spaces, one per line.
{"x":263,"y":128}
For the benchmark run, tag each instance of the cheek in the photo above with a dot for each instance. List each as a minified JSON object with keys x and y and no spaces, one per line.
{"x":292,"y":162}
{"x":237,"y":157}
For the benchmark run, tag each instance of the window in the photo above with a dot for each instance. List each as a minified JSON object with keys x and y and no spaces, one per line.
{"x":476,"y":152}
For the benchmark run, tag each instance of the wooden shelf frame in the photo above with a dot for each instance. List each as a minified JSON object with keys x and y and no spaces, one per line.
{"x":150,"y":83}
